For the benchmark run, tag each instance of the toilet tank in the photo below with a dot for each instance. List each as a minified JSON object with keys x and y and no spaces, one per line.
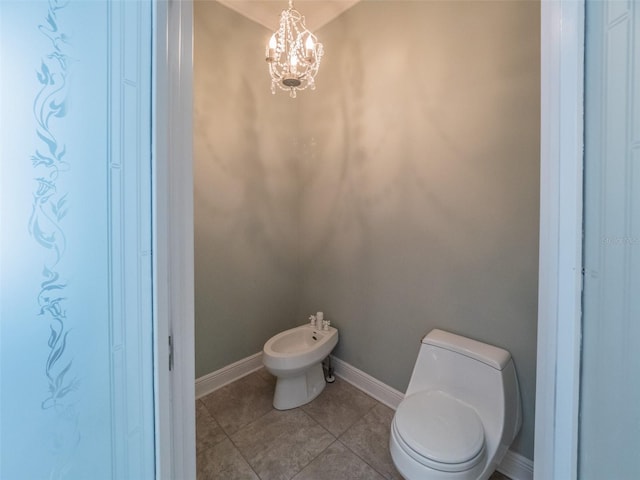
{"x":481,"y":375}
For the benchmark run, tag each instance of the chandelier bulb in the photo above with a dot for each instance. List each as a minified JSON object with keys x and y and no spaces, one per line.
{"x":271,"y":48}
{"x":310,"y":46}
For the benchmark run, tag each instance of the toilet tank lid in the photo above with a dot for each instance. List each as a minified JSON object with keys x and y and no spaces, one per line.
{"x":495,"y":357}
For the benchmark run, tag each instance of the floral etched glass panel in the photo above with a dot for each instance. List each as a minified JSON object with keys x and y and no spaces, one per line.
{"x":76,"y":365}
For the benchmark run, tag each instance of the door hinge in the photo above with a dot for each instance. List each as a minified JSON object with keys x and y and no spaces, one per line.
{"x":170,"y":353}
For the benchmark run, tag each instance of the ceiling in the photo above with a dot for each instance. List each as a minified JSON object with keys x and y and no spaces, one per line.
{"x":267,"y":12}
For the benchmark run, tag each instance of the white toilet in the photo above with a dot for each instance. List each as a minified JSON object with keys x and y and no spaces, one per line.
{"x":461,"y":411}
{"x":295,"y":358}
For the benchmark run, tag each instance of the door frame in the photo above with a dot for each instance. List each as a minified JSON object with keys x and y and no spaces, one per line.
{"x":173,"y":239}
{"x":560,"y":260}
{"x":560,"y":251}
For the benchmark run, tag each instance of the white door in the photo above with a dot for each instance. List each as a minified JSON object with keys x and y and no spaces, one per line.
{"x":76,"y":289}
{"x":609,"y":428}
{"x":587,"y":420}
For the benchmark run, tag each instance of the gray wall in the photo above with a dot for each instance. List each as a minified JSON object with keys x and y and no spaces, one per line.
{"x":421,"y":183}
{"x":415,"y":177}
{"x":246,"y":193}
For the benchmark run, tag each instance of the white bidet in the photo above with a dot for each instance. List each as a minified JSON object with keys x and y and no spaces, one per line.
{"x":295,"y":358}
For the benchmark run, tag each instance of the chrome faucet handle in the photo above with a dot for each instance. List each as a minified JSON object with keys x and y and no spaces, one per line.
{"x":325,"y":324}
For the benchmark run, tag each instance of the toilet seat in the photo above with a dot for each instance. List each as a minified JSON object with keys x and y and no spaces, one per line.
{"x":439,"y":431}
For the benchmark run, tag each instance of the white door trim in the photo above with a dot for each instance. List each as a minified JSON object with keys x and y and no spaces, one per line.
{"x":560,"y":273}
{"x":173,"y":240}
{"x":559,"y":312}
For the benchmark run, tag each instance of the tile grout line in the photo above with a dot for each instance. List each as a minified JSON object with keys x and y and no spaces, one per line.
{"x":228,"y":436}
{"x":243,"y":457}
{"x":375,"y":405}
{"x":219,"y":426}
{"x":238,"y":448}
{"x":383,"y":475}
{"x":243,"y":426}
{"x":316,"y":457}
{"x":335,"y":439}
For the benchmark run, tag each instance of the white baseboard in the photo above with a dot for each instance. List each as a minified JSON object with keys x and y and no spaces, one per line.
{"x":516,"y":466}
{"x":215,"y":380}
{"x":513,"y":465}
{"x":365,"y":382}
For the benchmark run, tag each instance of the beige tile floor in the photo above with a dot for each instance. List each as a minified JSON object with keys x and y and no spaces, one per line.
{"x":341,"y":435}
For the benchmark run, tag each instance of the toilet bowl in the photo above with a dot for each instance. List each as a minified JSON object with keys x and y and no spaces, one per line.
{"x":295,"y":357}
{"x":461,"y":411}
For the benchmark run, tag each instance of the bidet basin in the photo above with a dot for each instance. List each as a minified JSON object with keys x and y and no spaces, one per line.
{"x":295,"y":358}
{"x":290,"y":352}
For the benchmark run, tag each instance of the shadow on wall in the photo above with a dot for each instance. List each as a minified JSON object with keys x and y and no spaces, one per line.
{"x":246,"y":192}
{"x":420,"y":183}
{"x":399,"y":196}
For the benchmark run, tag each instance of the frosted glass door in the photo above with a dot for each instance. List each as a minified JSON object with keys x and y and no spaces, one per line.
{"x":76,"y":320}
{"x":609,"y":431}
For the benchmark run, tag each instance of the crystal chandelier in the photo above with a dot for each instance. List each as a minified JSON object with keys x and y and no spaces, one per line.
{"x":293,"y":54}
